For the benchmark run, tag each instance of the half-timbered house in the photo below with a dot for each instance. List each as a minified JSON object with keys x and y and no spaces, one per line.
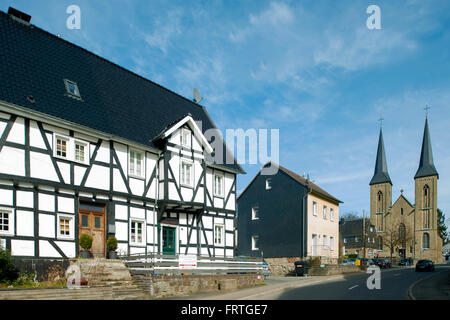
{"x":87,"y":146}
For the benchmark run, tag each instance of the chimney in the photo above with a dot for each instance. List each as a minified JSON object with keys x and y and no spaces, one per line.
{"x":19,"y":15}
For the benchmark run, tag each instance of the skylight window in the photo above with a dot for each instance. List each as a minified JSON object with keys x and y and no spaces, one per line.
{"x":72,"y":88}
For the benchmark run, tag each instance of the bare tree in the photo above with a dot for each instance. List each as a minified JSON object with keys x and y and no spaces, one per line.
{"x":396,"y":235}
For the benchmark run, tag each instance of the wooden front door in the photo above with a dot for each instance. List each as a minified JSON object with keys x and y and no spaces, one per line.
{"x":169,"y":240}
{"x":92,"y":222}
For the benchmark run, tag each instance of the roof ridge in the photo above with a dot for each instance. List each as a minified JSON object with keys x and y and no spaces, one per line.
{"x":106,"y":60}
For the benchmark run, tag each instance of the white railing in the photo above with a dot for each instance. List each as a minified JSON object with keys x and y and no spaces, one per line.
{"x":190,"y":264}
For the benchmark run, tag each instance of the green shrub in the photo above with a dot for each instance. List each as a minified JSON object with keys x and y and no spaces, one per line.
{"x":8,"y":272}
{"x":314,"y":261}
{"x":86,"y":241}
{"x":111,"y":243}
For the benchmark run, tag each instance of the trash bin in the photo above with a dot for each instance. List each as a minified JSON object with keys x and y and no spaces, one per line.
{"x":301,"y":268}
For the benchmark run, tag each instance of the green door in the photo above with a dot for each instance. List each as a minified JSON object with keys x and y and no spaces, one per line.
{"x":169,"y":240}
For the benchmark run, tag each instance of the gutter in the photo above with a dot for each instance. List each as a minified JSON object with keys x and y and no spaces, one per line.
{"x":305,"y":220}
{"x":46,"y":118}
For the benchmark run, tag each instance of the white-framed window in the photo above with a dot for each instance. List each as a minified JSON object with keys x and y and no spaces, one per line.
{"x":268,"y":183}
{"x":136,"y":165}
{"x":314,"y":208}
{"x":65,"y":226}
{"x":6,"y":222}
{"x":62,"y":147}
{"x":3,"y":244}
{"x":345,"y":240}
{"x":81,"y":151}
{"x":325,"y":213}
{"x":331,"y":243}
{"x":218,"y":185}
{"x":255,"y":213}
{"x":255,"y":242}
{"x":187,"y":173}
{"x":356,"y":239}
{"x":325,"y":241}
{"x":71,"y":149}
{"x":72,"y":88}
{"x":186,"y":137}
{"x":137,"y":232}
{"x":219,"y":234}
{"x":331,"y":214}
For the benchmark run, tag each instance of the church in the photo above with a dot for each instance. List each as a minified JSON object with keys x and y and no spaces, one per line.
{"x":405,"y":229}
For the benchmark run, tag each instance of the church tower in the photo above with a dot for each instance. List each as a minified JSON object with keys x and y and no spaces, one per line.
{"x":380,"y":188}
{"x":428,"y":243}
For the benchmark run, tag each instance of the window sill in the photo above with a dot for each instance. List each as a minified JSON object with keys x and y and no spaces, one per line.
{"x":218,"y":195}
{"x":186,"y":186}
{"x":6,"y":234}
{"x":135,"y":176}
{"x":65,"y":238}
{"x":140,"y":245}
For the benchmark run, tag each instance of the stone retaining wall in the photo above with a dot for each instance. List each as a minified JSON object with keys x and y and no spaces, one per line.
{"x":281,"y":267}
{"x":178,"y":285}
{"x":330,"y":270}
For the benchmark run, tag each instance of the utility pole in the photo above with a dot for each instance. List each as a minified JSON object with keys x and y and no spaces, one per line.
{"x":364,"y":235}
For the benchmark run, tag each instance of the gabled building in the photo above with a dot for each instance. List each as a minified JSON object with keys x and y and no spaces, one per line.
{"x":357,"y":238}
{"x":87,"y":146}
{"x":406,"y":230}
{"x":286,"y":215}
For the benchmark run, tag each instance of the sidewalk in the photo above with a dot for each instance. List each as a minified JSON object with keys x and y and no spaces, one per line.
{"x":273,"y":285}
{"x":434,"y":287}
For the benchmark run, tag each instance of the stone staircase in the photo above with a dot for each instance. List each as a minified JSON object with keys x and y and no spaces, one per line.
{"x":106,"y":280}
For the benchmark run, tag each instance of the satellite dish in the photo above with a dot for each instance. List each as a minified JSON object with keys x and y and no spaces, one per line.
{"x":197,"y":97}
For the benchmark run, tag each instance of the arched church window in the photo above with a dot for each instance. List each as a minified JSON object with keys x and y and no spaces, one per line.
{"x":380,"y":243}
{"x":426,"y":241}
{"x":426,"y":196}
{"x":426,"y":219}
{"x":402,"y":234}
{"x":380,"y":201}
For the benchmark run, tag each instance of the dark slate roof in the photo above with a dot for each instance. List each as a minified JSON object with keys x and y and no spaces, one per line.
{"x":315,"y":188}
{"x":354,"y":227}
{"x":426,"y":164}
{"x":381,"y":174}
{"x":114,"y":100}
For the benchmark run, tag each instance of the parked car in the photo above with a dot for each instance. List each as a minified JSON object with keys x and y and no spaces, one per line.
{"x":367,"y":262}
{"x":266,"y":269}
{"x":349,"y":262}
{"x":424,"y":265}
{"x":383,"y":263}
{"x":404,"y":262}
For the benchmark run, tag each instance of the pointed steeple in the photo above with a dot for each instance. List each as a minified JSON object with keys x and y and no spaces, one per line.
{"x":426,"y":165}
{"x":381,"y":174}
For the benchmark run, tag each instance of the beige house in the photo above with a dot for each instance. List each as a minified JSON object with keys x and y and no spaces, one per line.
{"x":323,"y":227}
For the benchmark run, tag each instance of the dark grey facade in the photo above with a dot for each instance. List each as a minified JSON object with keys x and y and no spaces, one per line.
{"x":281,"y":226}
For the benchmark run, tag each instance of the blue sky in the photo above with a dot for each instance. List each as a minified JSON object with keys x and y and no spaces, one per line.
{"x":311,"y":69}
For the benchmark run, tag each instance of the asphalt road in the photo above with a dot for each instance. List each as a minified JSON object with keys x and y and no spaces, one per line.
{"x":394,"y":285}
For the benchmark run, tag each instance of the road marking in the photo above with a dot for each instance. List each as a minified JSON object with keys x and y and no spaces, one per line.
{"x":353,"y":287}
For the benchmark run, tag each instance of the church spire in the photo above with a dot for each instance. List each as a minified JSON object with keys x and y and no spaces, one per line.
{"x":426,"y":165}
{"x":381,"y":174}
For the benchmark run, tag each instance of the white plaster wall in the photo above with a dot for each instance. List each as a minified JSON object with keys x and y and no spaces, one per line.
{"x":6,"y":197}
{"x":24,"y":198}
{"x":25,"y":223}
{"x":98,"y":178}
{"x":12,"y":161}
{"x":66,"y":205}
{"x":17,"y":133}
{"x":47,"y":250}
{"x":22,"y":247}
{"x":41,"y":167}
{"x":35,"y":136}
{"x":47,"y":226}
{"x":67,"y":247}
{"x":121,"y":212}
{"x":122,"y":231}
{"x":79,"y":174}
{"x":46,"y":202}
